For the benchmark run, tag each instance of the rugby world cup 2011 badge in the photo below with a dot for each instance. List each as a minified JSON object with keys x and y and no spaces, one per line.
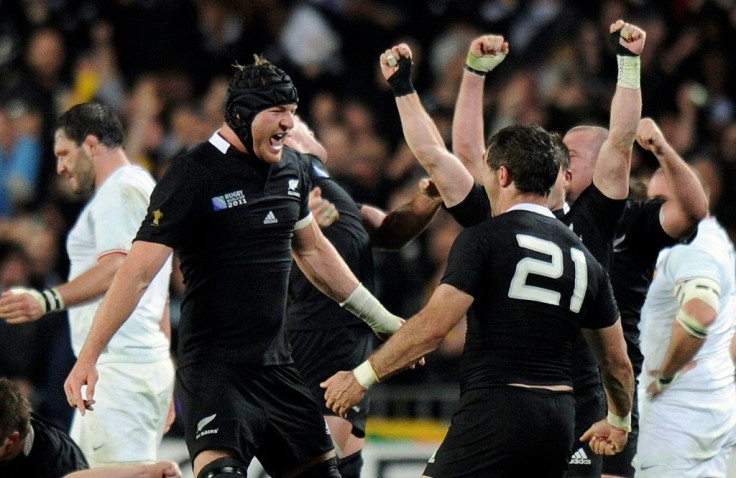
{"x":228,"y":200}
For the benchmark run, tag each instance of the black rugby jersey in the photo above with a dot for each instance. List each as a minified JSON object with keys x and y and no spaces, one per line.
{"x":53,"y":454}
{"x":230,"y":217}
{"x":309,"y":308}
{"x":534,"y":285}
{"x":639,"y":238}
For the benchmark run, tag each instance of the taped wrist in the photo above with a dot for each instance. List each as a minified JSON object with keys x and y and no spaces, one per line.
{"x":50,"y":300}
{"x":624,"y":423}
{"x":629,"y":64}
{"x":400,"y":81}
{"x":365,"y":375}
{"x":368,"y":309}
{"x":480,"y":65}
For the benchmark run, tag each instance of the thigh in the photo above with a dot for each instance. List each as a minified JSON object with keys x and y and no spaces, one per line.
{"x":319,"y":354}
{"x":296,"y":431}
{"x":127,"y":423}
{"x":500,"y":433}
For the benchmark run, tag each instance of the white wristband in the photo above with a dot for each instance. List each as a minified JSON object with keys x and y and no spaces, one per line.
{"x":623,"y":423}
{"x":368,"y":309}
{"x":365,"y":375}
{"x":629,"y":72}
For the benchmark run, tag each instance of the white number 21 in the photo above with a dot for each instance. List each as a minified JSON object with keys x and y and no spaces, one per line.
{"x":553,"y":269}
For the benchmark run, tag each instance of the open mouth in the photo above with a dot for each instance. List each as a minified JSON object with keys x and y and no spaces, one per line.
{"x":277,"y":141}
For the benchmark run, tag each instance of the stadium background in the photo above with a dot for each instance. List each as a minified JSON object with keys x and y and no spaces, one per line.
{"x":163,"y":66}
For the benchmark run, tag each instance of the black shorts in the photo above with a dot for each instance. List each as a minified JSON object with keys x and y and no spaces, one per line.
{"x":262,"y":411}
{"x":507,"y":431}
{"x":590,"y":407}
{"x":319,"y":354}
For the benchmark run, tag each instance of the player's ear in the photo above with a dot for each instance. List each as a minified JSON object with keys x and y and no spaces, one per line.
{"x":504,"y":176}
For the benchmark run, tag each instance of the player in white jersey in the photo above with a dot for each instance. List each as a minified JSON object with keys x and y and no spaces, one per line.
{"x":136,"y":381}
{"x":687,"y":399}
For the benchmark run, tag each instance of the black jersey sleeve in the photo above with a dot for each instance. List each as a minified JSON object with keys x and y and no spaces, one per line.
{"x":604,"y":311}
{"x":172,"y":202}
{"x":474,"y":209}
{"x":465,"y":262}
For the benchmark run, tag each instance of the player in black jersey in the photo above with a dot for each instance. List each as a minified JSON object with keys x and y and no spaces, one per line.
{"x":32,"y":446}
{"x":532,"y":286}
{"x":596,"y":186}
{"x":235,"y":210}
{"x":325,"y":338}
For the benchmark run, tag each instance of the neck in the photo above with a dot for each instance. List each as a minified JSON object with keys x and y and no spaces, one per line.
{"x":506,"y":202}
{"x":232,"y":138}
{"x":107,"y":163}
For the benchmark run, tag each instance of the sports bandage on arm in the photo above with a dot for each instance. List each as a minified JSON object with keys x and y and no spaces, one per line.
{"x":49,"y":299}
{"x":400,"y":81}
{"x":624,"y":423}
{"x":663,"y":383}
{"x":706,"y":290}
{"x":480,"y":65}
{"x":365,"y":375}
{"x":629,"y":64}
{"x":368,"y":309}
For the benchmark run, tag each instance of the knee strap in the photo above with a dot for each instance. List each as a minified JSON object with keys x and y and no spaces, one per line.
{"x":323,"y":469}
{"x":225,"y":467}
{"x":351,"y":465}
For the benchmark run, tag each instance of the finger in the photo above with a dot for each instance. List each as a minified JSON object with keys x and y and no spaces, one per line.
{"x":616,"y":26}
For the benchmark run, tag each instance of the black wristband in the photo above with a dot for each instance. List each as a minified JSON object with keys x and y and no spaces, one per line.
{"x":472,"y":70}
{"x":665,"y":381}
{"x":618,"y":47}
{"x":400,"y":81}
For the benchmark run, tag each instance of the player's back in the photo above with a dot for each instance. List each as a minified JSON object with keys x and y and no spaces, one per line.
{"x":534,"y":285}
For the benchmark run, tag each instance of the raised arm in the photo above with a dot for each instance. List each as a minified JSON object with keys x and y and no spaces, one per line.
{"x":453,"y":181}
{"x":144,"y":261}
{"x":687,"y":203}
{"x":611,"y":172}
{"x":468,"y":137}
{"x":398,"y":227}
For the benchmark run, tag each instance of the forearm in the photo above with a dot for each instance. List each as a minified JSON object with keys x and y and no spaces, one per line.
{"x":619,"y":387}
{"x":688,"y":200}
{"x":403,"y":224}
{"x":93,"y":283}
{"x":681,"y":351}
{"x":122,"y":471}
{"x":468,"y":141}
{"x":326,"y":269}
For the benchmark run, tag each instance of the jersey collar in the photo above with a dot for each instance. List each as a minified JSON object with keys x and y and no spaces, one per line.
{"x":219,"y":142}
{"x":527,"y":206}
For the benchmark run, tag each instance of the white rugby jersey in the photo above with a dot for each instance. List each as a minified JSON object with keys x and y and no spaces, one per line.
{"x":108,"y":224}
{"x":711,"y":256}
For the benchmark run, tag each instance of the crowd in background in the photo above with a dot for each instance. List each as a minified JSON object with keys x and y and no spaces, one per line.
{"x":163,"y":66}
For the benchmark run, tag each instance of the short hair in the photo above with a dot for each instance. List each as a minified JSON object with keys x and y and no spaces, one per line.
{"x":15,"y":410}
{"x":96,"y":119}
{"x":531,"y":154}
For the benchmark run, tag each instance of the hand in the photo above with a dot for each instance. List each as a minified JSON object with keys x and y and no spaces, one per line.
{"x":81,"y":374}
{"x":323,"y":210}
{"x":650,"y":137}
{"x":605,"y":439}
{"x":389,"y":59}
{"x":487,"y":52}
{"x":631,"y":38}
{"x":164,"y":469}
{"x":342,"y":392}
{"x":20,"y":305}
{"x":429,"y":189}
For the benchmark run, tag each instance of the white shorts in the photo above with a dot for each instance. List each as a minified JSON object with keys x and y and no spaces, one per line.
{"x":685,"y":434}
{"x":131,"y":405}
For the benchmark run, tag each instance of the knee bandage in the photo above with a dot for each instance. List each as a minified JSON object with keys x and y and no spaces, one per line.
{"x":225,"y":467}
{"x":323,"y":469}
{"x":351,"y":465}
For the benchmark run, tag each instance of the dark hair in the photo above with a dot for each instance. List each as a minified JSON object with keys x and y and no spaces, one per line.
{"x":15,"y":410}
{"x":254,"y":88}
{"x":91,"y":118}
{"x":531,"y":154}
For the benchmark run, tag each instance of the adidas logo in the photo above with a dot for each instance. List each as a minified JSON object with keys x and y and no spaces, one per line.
{"x":270,"y":218}
{"x":580,"y":458}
